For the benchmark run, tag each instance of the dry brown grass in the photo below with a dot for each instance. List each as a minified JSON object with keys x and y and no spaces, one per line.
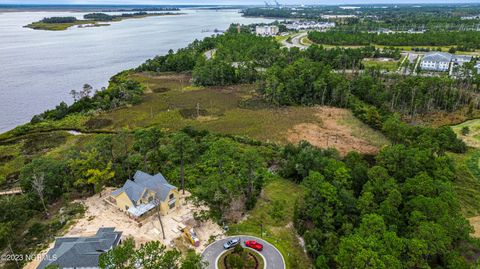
{"x":475,"y":222}
{"x":337,"y":128}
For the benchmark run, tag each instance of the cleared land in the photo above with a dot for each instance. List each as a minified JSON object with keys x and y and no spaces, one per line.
{"x":381,"y":63}
{"x":101,"y":214}
{"x":171,"y":104}
{"x":338,"y":128}
{"x":472,"y":139}
{"x":467,"y":182}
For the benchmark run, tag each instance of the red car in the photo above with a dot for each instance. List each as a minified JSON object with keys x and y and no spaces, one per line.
{"x":254,"y":244}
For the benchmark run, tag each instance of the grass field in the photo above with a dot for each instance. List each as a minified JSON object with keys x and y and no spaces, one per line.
{"x":383,"y":65}
{"x":171,"y":104}
{"x":472,"y":139}
{"x":467,"y":181}
{"x":273,"y":214}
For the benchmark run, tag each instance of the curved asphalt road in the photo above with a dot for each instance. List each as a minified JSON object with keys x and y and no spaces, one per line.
{"x":271,"y":255}
{"x":296,"y":41}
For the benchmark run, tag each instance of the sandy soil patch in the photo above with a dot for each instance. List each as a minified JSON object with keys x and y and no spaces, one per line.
{"x":332,"y":132}
{"x":101,"y":214}
{"x":475,"y":222}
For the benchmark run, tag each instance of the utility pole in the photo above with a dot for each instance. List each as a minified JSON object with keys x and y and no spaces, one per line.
{"x":157,"y":205}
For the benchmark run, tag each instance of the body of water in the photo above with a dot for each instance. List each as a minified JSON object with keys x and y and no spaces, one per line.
{"x":38,"y":69}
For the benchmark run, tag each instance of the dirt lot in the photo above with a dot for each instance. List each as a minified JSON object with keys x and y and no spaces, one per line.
{"x":475,"y":222}
{"x":338,"y":129}
{"x":101,"y":214}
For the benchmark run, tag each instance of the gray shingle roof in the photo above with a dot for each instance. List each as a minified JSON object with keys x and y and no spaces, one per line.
{"x":134,"y":189}
{"x":81,"y":251}
{"x":437,"y":57}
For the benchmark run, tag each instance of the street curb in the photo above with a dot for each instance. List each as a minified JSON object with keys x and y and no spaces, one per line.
{"x":245,"y":235}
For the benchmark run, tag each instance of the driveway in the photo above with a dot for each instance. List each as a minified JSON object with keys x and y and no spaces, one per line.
{"x":273,"y":258}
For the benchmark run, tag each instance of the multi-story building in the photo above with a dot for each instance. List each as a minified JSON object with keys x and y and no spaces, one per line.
{"x":436,"y":61}
{"x":267,"y":30}
{"x":443,"y":62}
{"x":145,"y":192}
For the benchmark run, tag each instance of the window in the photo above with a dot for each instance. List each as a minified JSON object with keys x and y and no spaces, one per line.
{"x":172,"y":196}
{"x":126,"y":207}
{"x":172,"y":205}
{"x":150,"y":199}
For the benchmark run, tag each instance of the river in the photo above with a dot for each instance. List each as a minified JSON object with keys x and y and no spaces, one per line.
{"x":38,"y":69}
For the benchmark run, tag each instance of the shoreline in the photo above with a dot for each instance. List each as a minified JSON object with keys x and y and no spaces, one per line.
{"x":85,"y":23}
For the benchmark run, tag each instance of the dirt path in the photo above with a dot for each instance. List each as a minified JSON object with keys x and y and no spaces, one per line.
{"x":339,"y":129}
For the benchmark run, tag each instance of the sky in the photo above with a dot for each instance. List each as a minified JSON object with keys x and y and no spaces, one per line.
{"x":230,"y":2}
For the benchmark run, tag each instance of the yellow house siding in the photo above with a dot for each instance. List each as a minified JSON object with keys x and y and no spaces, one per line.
{"x":164,"y":206}
{"x":122,"y":201}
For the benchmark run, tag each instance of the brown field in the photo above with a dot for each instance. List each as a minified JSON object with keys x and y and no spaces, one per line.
{"x":337,"y":129}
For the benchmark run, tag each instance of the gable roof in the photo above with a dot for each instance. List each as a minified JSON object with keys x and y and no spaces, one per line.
{"x":143,"y":181}
{"x":81,"y":251}
{"x":437,"y":57}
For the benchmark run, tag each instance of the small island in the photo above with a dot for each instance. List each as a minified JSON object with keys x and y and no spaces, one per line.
{"x":89,"y":20}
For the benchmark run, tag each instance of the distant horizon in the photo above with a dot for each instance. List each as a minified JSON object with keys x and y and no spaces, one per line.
{"x":227,"y":2}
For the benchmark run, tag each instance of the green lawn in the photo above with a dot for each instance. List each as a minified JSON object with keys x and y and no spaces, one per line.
{"x":274,"y":210}
{"x":383,"y":65}
{"x":472,"y":139}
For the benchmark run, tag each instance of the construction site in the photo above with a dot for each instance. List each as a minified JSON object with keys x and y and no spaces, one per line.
{"x":180,"y":228}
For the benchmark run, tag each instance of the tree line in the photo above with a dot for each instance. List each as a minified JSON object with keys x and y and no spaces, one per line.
{"x":468,"y":39}
{"x":120,"y":91}
{"x":59,"y":20}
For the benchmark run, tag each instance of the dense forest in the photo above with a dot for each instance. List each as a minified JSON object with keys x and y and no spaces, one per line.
{"x":59,"y":20}
{"x":467,"y":39}
{"x":372,"y":18}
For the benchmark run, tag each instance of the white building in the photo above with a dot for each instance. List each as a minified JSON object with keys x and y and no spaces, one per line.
{"x":442,"y":61}
{"x":477,"y":66}
{"x":309,"y":25}
{"x":436,"y":61}
{"x":461,"y":59}
{"x":267,"y":30}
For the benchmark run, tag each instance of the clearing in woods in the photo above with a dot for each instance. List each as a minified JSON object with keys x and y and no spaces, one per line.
{"x":338,"y":128}
{"x":171,"y":104}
